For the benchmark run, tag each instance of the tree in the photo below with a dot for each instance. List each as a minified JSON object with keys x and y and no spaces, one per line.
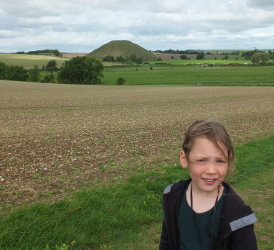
{"x":56,"y":52}
{"x":34,"y":75}
{"x":133,"y":57}
{"x":51,"y":66}
{"x":3,"y":70}
{"x":49,"y":78}
{"x":264,"y":57}
{"x":120,"y":59}
{"x":139,"y":60}
{"x":17,"y":73}
{"x":200,"y":56}
{"x":108,"y":58}
{"x":260,"y":57}
{"x":183,"y":57}
{"x":248,"y":54}
{"x":81,"y":70}
{"x":270,"y":54}
{"x":255,"y":58}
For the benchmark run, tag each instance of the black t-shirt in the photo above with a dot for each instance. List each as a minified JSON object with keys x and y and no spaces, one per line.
{"x":188,"y":234}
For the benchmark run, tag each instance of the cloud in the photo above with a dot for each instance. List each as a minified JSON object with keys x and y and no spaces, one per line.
{"x":267,"y":5}
{"x":84,"y":25}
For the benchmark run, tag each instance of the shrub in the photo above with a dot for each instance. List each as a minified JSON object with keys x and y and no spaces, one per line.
{"x":3,"y":71}
{"x":34,"y":75}
{"x":49,"y":78}
{"x":17,"y":73}
{"x":108,"y":58}
{"x":183,"y":57}
{"x":120,"y":81}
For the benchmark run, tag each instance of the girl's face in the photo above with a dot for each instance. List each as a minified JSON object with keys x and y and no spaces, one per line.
{"x":207,"y":165}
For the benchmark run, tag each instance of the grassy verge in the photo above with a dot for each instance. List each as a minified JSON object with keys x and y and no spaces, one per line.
{"x":128,"y":215}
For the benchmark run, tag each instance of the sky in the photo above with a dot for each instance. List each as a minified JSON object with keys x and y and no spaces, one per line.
{"x":84,"y":25}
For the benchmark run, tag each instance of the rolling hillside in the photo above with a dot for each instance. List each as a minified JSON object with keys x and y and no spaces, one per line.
{"x":122,"y":48}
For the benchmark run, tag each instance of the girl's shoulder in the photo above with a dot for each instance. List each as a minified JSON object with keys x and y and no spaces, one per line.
{"x":235,"y":206}
{"x":177,"y":186}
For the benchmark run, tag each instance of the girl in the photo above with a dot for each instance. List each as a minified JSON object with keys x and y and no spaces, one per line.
{"x":204,"y":212}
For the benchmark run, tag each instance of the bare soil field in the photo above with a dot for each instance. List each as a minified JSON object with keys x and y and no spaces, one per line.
{"x":59,"y":138}
{"x":71,"y":55}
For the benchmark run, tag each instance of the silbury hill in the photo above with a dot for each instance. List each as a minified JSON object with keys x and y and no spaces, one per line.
{"x":122,"y":49}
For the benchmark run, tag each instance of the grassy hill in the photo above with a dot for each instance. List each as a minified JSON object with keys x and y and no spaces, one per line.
{"x":122,"y":48}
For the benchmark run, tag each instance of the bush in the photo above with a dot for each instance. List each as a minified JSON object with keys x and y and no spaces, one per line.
{"x":120,"y":81}
{"x":48,"y":78}
{"x":34,"y":75}
{"x":183,"y":57}
{"x":3,"y":71}
{"x":17,"y":73}
{"x":108,"y":58}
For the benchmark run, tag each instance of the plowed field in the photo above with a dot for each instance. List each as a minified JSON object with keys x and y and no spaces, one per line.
{"x":58,"y":138}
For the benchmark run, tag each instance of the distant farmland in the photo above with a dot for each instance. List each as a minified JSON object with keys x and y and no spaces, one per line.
{"x":28,"y":61}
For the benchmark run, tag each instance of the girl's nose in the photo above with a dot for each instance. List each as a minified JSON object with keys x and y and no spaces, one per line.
{"x":210,"y":168}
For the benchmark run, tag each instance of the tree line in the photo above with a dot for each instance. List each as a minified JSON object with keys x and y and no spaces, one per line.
{"x":54,"y":52}
{"x":78,"y":70}
{"x":172,"y":51}
{"x":132,"y":58}
{"x":19,"y":73}
{"x":255,"y":56}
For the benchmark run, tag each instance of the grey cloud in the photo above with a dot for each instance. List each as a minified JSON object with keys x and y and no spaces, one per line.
{"x":267,"y":5}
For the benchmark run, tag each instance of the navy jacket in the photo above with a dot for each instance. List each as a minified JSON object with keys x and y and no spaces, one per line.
{"x":236,"y":220}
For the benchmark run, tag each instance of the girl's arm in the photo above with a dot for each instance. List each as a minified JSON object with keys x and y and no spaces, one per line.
{"x":164,"y":242}
{"x":244,"y":238}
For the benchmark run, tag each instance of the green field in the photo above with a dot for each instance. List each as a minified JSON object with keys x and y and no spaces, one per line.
{"x":190,"y":75}
{"x":90,"y":162}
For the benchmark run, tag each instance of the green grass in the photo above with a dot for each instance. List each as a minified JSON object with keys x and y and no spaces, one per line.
{"x":232,"y":76}
{"x":128,"y":215}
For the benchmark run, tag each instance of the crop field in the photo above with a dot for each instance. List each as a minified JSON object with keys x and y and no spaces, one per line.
{"x":28,"y":61}
{"x":59,"y":138}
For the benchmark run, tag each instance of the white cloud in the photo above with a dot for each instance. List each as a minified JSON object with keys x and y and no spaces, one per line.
{"x":84,"y":25}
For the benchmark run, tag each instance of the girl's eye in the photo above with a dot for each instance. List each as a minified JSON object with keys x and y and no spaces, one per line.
{"x":201,"y":160}
{"x":221,"y":161}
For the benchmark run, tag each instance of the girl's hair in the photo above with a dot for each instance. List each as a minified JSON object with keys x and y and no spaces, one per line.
{"x":213,"y":131}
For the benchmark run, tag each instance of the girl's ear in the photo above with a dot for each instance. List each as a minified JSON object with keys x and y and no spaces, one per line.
{"x":183,"y":159}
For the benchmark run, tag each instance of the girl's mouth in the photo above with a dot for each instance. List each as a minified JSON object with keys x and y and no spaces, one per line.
{"x":209,"y":181}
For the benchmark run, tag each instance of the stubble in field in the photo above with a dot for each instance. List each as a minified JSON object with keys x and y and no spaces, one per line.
{"x":57,"y":138}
